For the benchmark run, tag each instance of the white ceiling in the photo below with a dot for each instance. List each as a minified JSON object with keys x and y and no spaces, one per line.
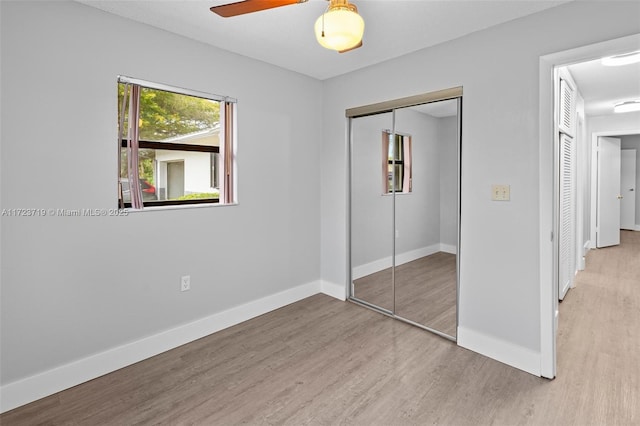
{"x":602,"y":87}
{"x":284,"y":36}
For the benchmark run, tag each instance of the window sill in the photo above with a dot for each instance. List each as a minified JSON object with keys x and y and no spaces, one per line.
{"x":178,"y":207}
{"x":389,"y":194}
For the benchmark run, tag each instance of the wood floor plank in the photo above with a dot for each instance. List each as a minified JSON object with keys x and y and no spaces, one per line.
{"x":425,"y":290}
{"x":325,"y":362}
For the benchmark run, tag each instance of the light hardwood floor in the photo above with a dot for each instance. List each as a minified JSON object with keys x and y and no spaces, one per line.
{"x":425,"y":291}
{"x":325,"y":362}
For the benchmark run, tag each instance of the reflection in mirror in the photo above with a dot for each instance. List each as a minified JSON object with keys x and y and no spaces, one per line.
{"x":396,"y":164}
{"x":371,"y":212}
{"x":426,"y":220}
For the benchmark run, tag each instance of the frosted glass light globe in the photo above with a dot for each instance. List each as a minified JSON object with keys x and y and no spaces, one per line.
{"x":343,"y":29}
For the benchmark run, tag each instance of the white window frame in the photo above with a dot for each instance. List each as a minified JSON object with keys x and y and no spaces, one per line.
{"x":226,"y":152}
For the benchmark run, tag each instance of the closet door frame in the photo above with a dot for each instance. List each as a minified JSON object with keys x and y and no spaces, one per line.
{"x":390,"y":107}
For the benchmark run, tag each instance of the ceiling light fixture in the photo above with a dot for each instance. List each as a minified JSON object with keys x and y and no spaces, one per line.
{"x":340,"y":28}
{"x":626,"y":59}
{"x":628,"y":106}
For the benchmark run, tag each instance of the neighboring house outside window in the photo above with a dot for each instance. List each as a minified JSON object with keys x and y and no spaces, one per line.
{"x":180,"y":146}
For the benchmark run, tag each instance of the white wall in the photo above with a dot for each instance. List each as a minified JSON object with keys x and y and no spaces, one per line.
{"x":633,"y":142}
{"x":418,"y":212}
{"x":74,"y":287}
{"x":448,"y":143}
{"x":583,"y":154}
{"x":197,"y":169}
{"x":629,"y":121}
{"x":371,"y":211}
{"x":498,"y":68}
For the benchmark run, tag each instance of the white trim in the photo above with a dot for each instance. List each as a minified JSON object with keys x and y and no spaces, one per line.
{"x":637,"y":227}
{"x":38,"y":386}
{"x":506,"y":352}
{"x":548,"y":231}
{"x":582,"y":261}
{"x":386,"y":262}
{"x":410,"y":256}
{"x":334,"y":290}
{"x":593,"y":186}
{"x":448,"y":248}
{"x":175,"y":89}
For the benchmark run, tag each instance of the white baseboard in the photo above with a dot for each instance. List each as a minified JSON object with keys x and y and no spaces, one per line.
{"x":637,"y":227}
{"x":448,"y":248}
{"x":410,"y":256}
{"x":514,"y":355}
{"x":401,"y":258}
{"x":32,"y":388}
{"x":582,"y":261}
{"x":334,"y":290}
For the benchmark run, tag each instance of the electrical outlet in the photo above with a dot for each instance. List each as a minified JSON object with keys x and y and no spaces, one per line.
{"x":185,"y":283}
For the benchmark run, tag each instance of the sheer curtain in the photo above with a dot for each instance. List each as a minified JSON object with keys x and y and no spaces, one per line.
{"x":406,"y":147}
{"x":385,"y":161}
{"x":228,"y":153}
{"x":132,"y":101}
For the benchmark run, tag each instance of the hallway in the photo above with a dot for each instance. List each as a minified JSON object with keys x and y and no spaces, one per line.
{"x":599,"y":337}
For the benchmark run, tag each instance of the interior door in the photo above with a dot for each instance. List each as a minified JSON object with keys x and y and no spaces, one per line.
{"x":608,"y":212}
{"x":628,"y":189}
{"x":567,"y":237}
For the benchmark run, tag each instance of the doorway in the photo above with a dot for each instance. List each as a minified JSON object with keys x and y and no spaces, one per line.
{"x":615,"y":156}
{"x":549,"y":179}
{"x":628,"y":183}
{"x":175,"y":179}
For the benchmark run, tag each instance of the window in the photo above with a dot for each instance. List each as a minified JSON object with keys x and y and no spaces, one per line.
{"x":396,"y":162}
{"x":177,"y":144}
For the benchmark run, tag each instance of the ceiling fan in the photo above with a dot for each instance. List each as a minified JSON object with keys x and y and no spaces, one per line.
{"x":339,"y":28}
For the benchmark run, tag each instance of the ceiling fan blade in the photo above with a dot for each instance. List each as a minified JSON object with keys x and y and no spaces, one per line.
{"x":351,"y":48}
{"x":248,"y":6}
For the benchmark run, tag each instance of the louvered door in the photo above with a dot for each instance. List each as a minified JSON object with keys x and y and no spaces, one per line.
{"x":567,"y":245}
{"x":567,"y":110}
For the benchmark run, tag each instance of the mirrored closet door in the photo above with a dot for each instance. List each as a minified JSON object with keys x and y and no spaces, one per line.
{"x":404,"y":210}
{"x":371,"y":214}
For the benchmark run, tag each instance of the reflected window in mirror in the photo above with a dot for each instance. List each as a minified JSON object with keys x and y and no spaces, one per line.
{"x":396,"y":162}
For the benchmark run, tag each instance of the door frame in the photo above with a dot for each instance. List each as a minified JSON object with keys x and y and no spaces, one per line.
{"x":594,"y":175}
{"x":548,"y":192}
{"x":454,"y":93}
{"x":628,"y":155}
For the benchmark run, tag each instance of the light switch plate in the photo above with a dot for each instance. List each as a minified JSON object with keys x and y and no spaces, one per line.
{"x":500,"y":192}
